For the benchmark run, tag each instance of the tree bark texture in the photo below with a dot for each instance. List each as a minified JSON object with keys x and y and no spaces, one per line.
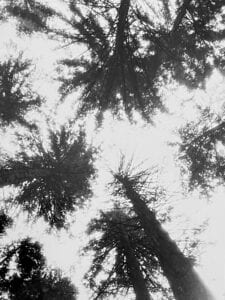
{"x":133,"y":267}
{"x":184,"y":281}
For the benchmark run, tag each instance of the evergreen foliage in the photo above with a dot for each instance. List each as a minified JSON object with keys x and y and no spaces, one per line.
{"x":52,"y":180}
{"x":131,"y":53}
{"x":111,"y":248}
{"x":5,"y":222}
{"x":24,"y":275}
{"x":32,"y":14}
{"x":177,"y":267}
{"x":16,"y":95}
{"x":203,"y":160}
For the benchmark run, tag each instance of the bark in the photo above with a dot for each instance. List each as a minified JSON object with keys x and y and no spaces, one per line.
{"x":121,"y":25}
{"x":118,"y":55}
{"x":184,"y":281}
{"x":133,"y":267}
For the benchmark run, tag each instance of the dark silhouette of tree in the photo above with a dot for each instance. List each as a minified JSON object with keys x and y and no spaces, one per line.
{"x":16,"y":95}
{"x":52,"y":179}
{"x":24,"y":275}
{"x":200,"y":151}
{"x":5,"y":222}
{"x":123,"y":246}
{"x":131,"y":51}
{"x":177,"y":268}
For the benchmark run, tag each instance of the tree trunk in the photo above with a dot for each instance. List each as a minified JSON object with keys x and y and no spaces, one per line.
{"x":121,"y":25}
{"x":133,"y":267}
{"x":117,"y":58}
{"x":184,"y":281}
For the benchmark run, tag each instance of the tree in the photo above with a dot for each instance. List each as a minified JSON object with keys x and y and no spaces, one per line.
{"x":16,"y":95}
{"x":130,"y":52}
{"x":177,"y":268}
{"x":124,"y":247}
{"x":29,"y":278}
{"x":5,"y":221}
{"x":52,"y":179}
{"x":200,"y":152}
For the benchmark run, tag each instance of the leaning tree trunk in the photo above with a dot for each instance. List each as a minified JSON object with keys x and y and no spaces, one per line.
{"x":133,"y":268}
{"x":184,"y":281}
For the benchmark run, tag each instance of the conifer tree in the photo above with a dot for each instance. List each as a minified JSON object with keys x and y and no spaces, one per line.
{"x":178,"y":269}
{"x":200,"y":150}
{"x":131,"y":52}
{"x":52,"y":179}
{"x":16,"y":95}
{"x":122,"y":246}
{"x":29,"y":279}
{"x":5,"y":222}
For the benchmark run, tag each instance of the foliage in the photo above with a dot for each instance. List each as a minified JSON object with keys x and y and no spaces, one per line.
{"x":176,"y":266}
{"x":109,"y":250}
{"x":52,"y":180}
{"x":24,"y":275}
{"x":132,"y":49}
{"x":32,"y":14}
{"x":16,"y":95}
{"x":200,"y":150}
{"x":5,"y":221}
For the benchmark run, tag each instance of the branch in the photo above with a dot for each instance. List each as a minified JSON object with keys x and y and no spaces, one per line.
{"x":181,"y":13}
{"x":208,"y":132}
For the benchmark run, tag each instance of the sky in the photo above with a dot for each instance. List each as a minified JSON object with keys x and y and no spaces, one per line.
{"x":145,"y":143}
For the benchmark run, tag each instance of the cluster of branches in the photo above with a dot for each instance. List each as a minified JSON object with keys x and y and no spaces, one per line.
{"x":24,"y":273}
{"x":16,"y":94}
{"x":135,"y":251}
{"x":202,"y":150}
{"x":52,"y":179}
{"x":130,"y":53}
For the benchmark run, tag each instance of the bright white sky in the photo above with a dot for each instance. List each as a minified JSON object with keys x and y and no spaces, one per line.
{"x":145,"y":143}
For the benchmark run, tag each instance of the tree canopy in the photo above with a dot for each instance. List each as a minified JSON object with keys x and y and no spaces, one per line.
{"x":113,"y":248}
{"x":16,"y":94}
{"x":24,"y":274}
{"x":123,"y":57}
{"x":52,"y":179}
{"x":130,"y":53}
{"x":200,"y":149}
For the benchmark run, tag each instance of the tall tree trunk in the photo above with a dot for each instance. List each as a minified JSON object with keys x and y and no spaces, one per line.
{"x":117,"y":57}
{"x":133,"y":267}
{"x":184,"y":281}
{"x":121,"y":24}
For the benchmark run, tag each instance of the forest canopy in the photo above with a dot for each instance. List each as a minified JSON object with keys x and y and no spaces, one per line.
{"x":81,"y":81}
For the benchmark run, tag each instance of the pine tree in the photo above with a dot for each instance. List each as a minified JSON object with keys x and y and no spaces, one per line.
{"x":177,"y":268}
{"x":130,"y":51}
{"x":52,"y":180}
{"x":16,"y":95}
{"x":5,"y":222}
{"x":30,"y":279}
{"x":200,"y":150}
{"x":124,"y":247}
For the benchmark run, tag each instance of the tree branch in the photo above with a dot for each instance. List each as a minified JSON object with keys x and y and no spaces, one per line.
{"x":181,"y":13}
